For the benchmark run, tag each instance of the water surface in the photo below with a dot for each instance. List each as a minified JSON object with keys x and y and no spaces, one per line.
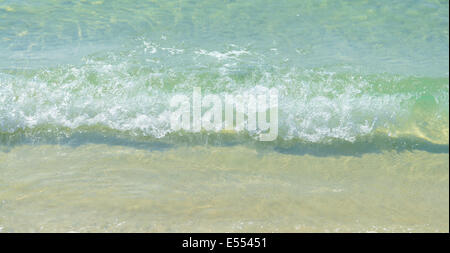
{"x":85,"y":136}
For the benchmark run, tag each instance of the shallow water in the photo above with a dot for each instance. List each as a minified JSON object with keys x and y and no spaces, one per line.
{"x":91,"y":188}
{"x":343,"y":71}
{"x":85,"y":136}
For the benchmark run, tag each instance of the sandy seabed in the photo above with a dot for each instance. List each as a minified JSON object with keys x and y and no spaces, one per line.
{"x":105,"y":188}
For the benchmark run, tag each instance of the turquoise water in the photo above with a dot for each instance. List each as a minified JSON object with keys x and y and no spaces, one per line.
{"x":355,"y":78}
{"x":344,"y":70}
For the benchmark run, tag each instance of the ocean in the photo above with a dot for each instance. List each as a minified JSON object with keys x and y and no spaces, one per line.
{"x":87,"y":145}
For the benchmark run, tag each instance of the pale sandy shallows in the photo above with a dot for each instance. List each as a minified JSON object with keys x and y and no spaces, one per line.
{"x":53,"y":188}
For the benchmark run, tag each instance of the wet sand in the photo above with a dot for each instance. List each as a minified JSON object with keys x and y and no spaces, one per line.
{"x":104,"y":188}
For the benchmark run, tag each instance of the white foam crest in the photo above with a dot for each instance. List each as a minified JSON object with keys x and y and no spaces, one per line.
{"x":117,"y":93}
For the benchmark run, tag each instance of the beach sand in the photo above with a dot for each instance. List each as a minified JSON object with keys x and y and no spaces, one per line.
{"x":99,"y":188}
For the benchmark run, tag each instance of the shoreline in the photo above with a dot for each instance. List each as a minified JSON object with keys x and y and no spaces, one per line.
{"x":98,"y":187}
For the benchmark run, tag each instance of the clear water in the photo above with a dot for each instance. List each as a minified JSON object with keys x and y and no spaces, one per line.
{"x":85,"y":137}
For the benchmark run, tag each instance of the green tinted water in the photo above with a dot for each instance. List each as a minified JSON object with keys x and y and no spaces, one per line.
{"x":363,"y":82}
